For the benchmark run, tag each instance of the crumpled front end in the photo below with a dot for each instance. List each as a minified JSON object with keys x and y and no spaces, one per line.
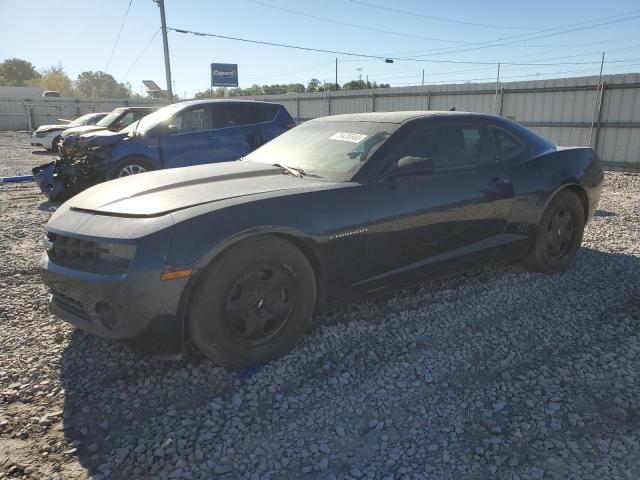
{"x":69,"y":175}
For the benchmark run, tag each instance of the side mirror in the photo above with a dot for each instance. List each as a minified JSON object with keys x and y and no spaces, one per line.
{"x":171,"y":129}
{"x":410,"y":165}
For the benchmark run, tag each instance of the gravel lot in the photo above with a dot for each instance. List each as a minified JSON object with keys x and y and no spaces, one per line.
{"x":496,"y":374}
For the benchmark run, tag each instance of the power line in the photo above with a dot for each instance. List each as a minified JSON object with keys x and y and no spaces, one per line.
{"x":514,"y":39}
{"x":352,"y":25}
{"x":273,"y":44}
{"x":361,"y":55}
{"x":141,"y":53}
{"x":118,"y":36}
{"x":441,"y":19}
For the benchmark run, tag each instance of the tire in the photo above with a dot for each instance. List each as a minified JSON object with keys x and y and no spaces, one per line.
{"x":132,"y":166}
{"x":253,"y":303}
{"x":54,"y":144}
{"x":558,"y":235}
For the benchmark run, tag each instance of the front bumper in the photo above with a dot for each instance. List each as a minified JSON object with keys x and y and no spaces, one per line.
{"x":138,"y":308}
{"x":45,"y":141}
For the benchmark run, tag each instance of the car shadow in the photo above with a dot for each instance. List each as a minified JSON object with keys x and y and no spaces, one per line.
{"x":44,"y":152}
{"x":604,"y":213}
{"x":120,"y":405}
{"x":49,"y":206}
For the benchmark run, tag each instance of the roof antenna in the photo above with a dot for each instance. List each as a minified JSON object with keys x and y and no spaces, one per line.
{"x":452,"y":109}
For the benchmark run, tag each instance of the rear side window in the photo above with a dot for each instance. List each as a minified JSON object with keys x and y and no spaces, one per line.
{"x":507,"y":146}
{"x":236,"y":115}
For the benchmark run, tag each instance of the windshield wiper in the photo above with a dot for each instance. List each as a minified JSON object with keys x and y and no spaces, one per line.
{"x":296,"y":172}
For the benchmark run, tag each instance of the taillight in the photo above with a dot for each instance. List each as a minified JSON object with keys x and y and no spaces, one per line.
{"x":290,"y":125}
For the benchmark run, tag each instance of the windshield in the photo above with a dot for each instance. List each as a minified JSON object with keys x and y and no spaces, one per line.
{"x":81,"y":120}
{"x":149,"y":121}
{"x":110,"y":118}
{"x":333,"y":150}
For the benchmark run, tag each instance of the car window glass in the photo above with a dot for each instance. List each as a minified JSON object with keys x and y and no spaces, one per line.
{"x":507,"y":146}
{"x":126,"y":120}
{"x":460,"y":145}
{"x":194,"y":120}
{"x":235,"y":115}
{"x":449,"y":146}
{"x":137,"y":115}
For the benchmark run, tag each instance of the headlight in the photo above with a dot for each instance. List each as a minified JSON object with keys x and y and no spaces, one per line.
{"x":118,"y":254}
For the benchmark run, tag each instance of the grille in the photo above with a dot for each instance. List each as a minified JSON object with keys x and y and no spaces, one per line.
{"x":69,"y":304}
{"x":73,"y":251}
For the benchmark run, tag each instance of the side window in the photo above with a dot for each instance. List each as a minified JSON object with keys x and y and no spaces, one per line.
{"x":125,"y":120}
{"x":194,"y":120}
{"x":137,"y":115}
{"x":507,"y":146}
{"x":236,"y":115}
{"x":422,"y":142}
{"x":264,"y":113}
{"x":462,"y":145}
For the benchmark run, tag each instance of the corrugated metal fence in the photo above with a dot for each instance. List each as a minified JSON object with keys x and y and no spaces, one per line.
{"x":568,"y":111}
{"x":31,"y":112}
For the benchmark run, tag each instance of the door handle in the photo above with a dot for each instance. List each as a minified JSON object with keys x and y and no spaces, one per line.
{"x":499,"y":182}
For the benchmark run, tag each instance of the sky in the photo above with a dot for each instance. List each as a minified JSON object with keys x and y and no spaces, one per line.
{"x":435,"y":36}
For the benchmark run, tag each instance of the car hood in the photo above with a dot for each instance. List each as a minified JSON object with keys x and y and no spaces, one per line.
{"x":160,"y":192}
{"x":101,"y":138}
{"x":82,"y":130}
{"x":48,"y":128}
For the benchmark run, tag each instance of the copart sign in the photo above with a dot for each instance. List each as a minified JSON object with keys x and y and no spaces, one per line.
{"x":224,"y":75}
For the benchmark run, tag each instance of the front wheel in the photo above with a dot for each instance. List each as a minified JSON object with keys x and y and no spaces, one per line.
{"x":253,"y":303}
{"x":558,"y":235}
{"x":132,"y":166}
{"x":54,"y":144}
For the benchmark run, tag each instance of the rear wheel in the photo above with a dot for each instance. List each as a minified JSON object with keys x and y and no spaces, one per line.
{"x":54,"y":144}
{"x":253,"y":303}
{"x":558,"y":235}
{"x":132,"y":166}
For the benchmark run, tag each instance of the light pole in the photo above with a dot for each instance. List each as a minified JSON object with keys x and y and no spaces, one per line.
{"x":165,"y":42}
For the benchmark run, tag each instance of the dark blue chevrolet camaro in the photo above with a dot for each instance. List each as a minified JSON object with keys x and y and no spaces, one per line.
{"x":238,"y":256}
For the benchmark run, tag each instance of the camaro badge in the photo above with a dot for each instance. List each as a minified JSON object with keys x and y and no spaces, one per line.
{"x":350,"y":233}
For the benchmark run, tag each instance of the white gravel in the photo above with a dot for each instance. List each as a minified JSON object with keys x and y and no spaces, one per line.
{"x":496,"y":374}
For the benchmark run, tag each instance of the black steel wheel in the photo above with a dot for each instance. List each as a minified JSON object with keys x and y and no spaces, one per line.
{"x":259,"y":303}
{"x":558,"y":235}
{"x":253,"y":303}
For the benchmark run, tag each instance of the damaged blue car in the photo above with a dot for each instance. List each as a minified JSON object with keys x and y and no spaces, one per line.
{"x":178,"y":135}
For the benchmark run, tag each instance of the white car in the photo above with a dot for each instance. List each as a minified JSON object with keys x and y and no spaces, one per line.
{"x":47,"y":136}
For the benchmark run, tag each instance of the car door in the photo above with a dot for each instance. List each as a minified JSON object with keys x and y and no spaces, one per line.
{"x":443,"y":219}
{"x":242,"y":129}
{"x":191,"y":138}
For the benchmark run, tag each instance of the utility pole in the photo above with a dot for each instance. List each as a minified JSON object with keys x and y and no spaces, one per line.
{"x":497,"y":86}
{"x":165,"y":42}
{"x":422,"y":89}
{"x":336,"y":73}
{"x":595,"y":105}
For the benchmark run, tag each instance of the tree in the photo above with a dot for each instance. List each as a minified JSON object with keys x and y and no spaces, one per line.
{"x":53,"y":78}
{"x":361,"y":84}
{"x":101,"y":84}
{"x":15,"y":72}
{"x":313,"y":85}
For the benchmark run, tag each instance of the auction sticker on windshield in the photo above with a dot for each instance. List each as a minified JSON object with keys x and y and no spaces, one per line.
{"x":348,"y":137}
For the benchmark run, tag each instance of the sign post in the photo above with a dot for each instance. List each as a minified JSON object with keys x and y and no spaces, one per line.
{"x":224,"y":75}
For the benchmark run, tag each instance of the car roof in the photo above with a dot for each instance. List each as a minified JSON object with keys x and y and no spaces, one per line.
{"x":400,"y":117}
{"x":222,"y":100}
